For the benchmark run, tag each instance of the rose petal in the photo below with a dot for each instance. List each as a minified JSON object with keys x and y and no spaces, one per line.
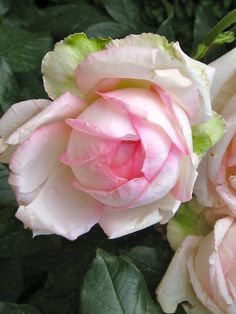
{"x":19,"y":113}
{"x":183,"y":190}
{"x":16,"y":116}
{"x":118,"y":223}
{"x":120,"y":197}
{"x":216,"y":153}
{"x":96,"y":174}
{"x":65,"y":106}
{"x":175,"y":287}
{"x":37,"y":156}
{"x":124,"y":62}
{"x":223,"y":86}
{"x":163,"y":181}
{"x":227,"y":196}
{"x":200,"y":292}
{"x":137,"y":56}
{"x":203,"y":189}
{"x":147,"y":105}
{"x":180,"y":88}
{"x":59,"y":208}
{"x":156,"y":146}
{"x":140,"y":191}
{"x":108,"y":118}
{"x":87,"y":142}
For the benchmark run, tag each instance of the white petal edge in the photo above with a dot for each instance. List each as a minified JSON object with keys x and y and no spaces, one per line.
{"x":200,"y":73}
{"x":223,"y":86}
{"x":175,"y":286}
{"x":60,"y":208}
{"x":119,"y":223}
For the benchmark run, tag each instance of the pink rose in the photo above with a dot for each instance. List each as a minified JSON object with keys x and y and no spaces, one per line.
{"x":116,"y":148}
{"x":216,"y":183}
{"x":203,"y":273}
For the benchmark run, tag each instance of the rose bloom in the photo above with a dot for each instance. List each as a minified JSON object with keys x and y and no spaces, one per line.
{"x":203,"y":273}
{"x":115,"y":147}
{"x":216,"y":184}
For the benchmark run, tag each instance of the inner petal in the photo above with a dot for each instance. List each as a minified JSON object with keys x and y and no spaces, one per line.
{"x":96,"y":174}
{"x":127,"y":160}
{"x":156,"y":146}
{"x":147,"y":105}
{"x":108,"y":118}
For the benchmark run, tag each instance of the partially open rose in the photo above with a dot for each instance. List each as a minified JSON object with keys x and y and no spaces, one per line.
{"x":115,"y":146}
{"x":216,"y":183}
{"x":202,"y":272}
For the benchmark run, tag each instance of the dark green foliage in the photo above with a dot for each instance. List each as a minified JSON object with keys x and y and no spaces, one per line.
{"x":115,"y":285}
{"x":46,"y":274}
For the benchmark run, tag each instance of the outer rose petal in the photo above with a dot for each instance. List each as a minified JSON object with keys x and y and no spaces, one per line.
{"x":223,"y":86}
{"x":59,"y":208}
{"x":175,"y":286}
{"x":206,"y":271}
{"x":58,"y":66}
{"x":63,"y":107}
{"x":37,"y":157}
{"x":201,"y":294}
{"x":19,"y":113}
{"x":170,"y":56}
{"x":202,"y":189}
{"x":118,"y":223}
{"x":180,"y":88}
{"x":140,"y":63}
{"x":207,"y":182}
{"x":15,"y":117}
{"x":136,"y":63}
{"x":187,"y":175}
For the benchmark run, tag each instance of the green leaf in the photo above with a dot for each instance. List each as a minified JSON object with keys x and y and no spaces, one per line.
{"x":125,"y":12}
{"x":187,"y":221}
{"x":224,"y":38}
{"x":11,"y":280}
{"x":207,"y":134}
{"x":21,"y":49}
{"x":166,"y":27}
{"x":59,"y":65}
{"x":106,"y":29}
{"x":114,"y":285}
{"x":205,"y":19}
{"x":31,"y":85}
{"x":9,"y":89}
{"x":65,"y":19}
{"x":11,"y":308}
{"x":201,"y":51}
{"x":17,"y":242}
{"x":7,"y":197}
{"x":22,"y":13}
{"x":20,"y":243}
{"x":220,"y":27}
{"x":152,"y":262}
{"x":5,"y":6}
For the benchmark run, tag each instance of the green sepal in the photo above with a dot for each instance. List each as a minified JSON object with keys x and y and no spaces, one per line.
{"x":188,"y":220}
{"x":207,"y":134}
{"x":59,"y":65}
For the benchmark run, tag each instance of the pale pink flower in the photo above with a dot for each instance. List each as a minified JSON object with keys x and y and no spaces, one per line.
{"x":203,"y":273}
{"x":216,"y":184}
{"x":120,"y":152}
